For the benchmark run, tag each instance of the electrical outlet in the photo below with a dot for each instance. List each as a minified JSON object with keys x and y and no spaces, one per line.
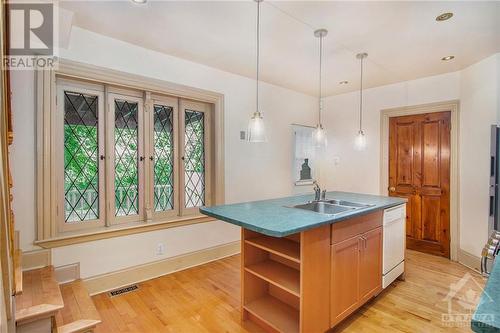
{"x":160,"y":249}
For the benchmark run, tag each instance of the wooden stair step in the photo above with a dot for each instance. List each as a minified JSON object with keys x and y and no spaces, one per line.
{"x":79,"y":313}
{"x":41,"y":297}
{"x":82,"y":325}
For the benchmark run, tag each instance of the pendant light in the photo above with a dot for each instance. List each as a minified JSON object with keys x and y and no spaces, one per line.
{"x":360,"y":142}
{"x":256,"y":128}
{"x":319,"y":134}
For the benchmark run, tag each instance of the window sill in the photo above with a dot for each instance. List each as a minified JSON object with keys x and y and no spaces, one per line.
{"x":70,"y":238}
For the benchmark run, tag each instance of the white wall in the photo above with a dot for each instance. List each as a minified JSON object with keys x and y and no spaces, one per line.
{"x":479,"y":107}
{"x":477,"y":88}
{"x":253,"y":171}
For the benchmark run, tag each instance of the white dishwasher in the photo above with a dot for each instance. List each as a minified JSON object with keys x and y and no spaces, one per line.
{"x":394,"y":228}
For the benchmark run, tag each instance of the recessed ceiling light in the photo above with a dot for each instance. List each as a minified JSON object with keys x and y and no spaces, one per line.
{"x":139,"y":1}
{"x":450,"y":57}
{"x":444,"y":17}
{"x":343,"y":82}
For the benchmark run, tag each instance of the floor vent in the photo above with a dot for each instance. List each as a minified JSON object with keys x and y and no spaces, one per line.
{"x":123,"y":290}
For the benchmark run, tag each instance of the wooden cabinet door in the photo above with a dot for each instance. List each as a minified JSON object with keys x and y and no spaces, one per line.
{"x":370,"y":264}
{"x":419,"y":170}
{"x":344,"y":274}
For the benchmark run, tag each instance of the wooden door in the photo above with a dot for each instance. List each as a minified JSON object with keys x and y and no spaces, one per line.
{"x":419,"y":170}
{"x":370,"y":264}
{"x":344,"y":275}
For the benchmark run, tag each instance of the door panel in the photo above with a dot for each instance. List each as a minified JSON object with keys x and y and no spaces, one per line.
{"x":344,"y":275}
{"x":405,"y":154}
{"x":370,"y":264}
{"x":419,"y":170}
{"x":431,"y":154}
{"x":430,"y":218}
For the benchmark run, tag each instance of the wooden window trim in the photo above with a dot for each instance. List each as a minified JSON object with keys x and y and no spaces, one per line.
{"x":174,"y":104}
{"x":111,"y":218}
{"x":48,"y":233}
{"x":59,"y":156}
{"x":205,"y":108}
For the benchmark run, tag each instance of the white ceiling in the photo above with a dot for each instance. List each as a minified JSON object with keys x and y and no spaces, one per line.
{"x":403,"y":39}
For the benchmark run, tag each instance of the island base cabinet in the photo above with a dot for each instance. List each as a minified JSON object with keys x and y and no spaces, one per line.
{"x":344,"y":279}
{"x":308,"y":282}
{"x":286,"y":281}
{"x":356,"y":266}
{"x":370,"y":265}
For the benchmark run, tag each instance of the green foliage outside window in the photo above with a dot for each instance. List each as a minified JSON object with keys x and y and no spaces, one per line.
{"x":81,"y":161}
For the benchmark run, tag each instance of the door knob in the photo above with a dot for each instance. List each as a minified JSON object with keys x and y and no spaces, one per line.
{"x":392,"y":189}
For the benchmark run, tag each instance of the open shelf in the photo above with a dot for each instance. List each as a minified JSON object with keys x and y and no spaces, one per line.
{"x":283,"y":247}
{"x":277,"y":274}
{"x":280,"y":316}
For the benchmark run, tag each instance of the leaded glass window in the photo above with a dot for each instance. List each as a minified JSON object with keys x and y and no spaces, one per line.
{"x":126,"y":157}
{"x":194,"y":159}
{"x":163,"y":158}
{"x":81,"y":160}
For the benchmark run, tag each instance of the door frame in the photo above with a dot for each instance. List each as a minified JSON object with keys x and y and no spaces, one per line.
{"x":453,"y":107}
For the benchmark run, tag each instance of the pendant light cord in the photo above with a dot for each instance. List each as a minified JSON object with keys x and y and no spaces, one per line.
{"x":258,"y":53}
{"x":320,"y":71}
{"x":361,"y":99}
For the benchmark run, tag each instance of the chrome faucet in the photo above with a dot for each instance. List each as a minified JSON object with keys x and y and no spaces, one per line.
{"x":317,"y":191}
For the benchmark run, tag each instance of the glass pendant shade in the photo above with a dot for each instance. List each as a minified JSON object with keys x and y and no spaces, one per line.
{"x":319,"y":137}
{"x":360,"y":141}
{"x":256,"y":128}
{"x":319,"y":133}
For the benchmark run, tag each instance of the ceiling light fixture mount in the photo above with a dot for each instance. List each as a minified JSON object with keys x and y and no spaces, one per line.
{"x":344,"y":82}
{"x":448,"y":58}
{"x":319,"y":134}
{"x":444,"y":17}
{"x":140,"y":1}
{"x":256,"y":128}
{"x":360,"y":142}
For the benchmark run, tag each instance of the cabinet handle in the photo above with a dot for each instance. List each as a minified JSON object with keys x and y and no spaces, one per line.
{"x":363,"y":240}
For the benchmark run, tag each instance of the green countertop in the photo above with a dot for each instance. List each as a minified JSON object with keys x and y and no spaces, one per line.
{"x":274,"y":218}
{"x":486,"y":319}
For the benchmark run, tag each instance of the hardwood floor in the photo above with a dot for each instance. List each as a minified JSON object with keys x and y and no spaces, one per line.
{"x":207,"y":299}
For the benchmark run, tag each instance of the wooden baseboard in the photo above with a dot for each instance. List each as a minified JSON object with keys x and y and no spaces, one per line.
{"x":36,"y":259}
{"x":67,"y":273}
{"x":469,"y":260}
{"x":106,"y":282}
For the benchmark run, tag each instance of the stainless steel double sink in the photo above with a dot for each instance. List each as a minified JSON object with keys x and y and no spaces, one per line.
{"x":331,"y":207}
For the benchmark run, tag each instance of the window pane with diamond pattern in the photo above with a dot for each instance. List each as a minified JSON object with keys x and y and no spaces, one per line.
{"x":126,"y":158}
{"x":163,"y":158}
{"x":81,"y":164}
{"x":194,"y":159}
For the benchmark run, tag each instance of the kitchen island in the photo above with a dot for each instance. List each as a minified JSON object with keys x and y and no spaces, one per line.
{"x":303,"y":271}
